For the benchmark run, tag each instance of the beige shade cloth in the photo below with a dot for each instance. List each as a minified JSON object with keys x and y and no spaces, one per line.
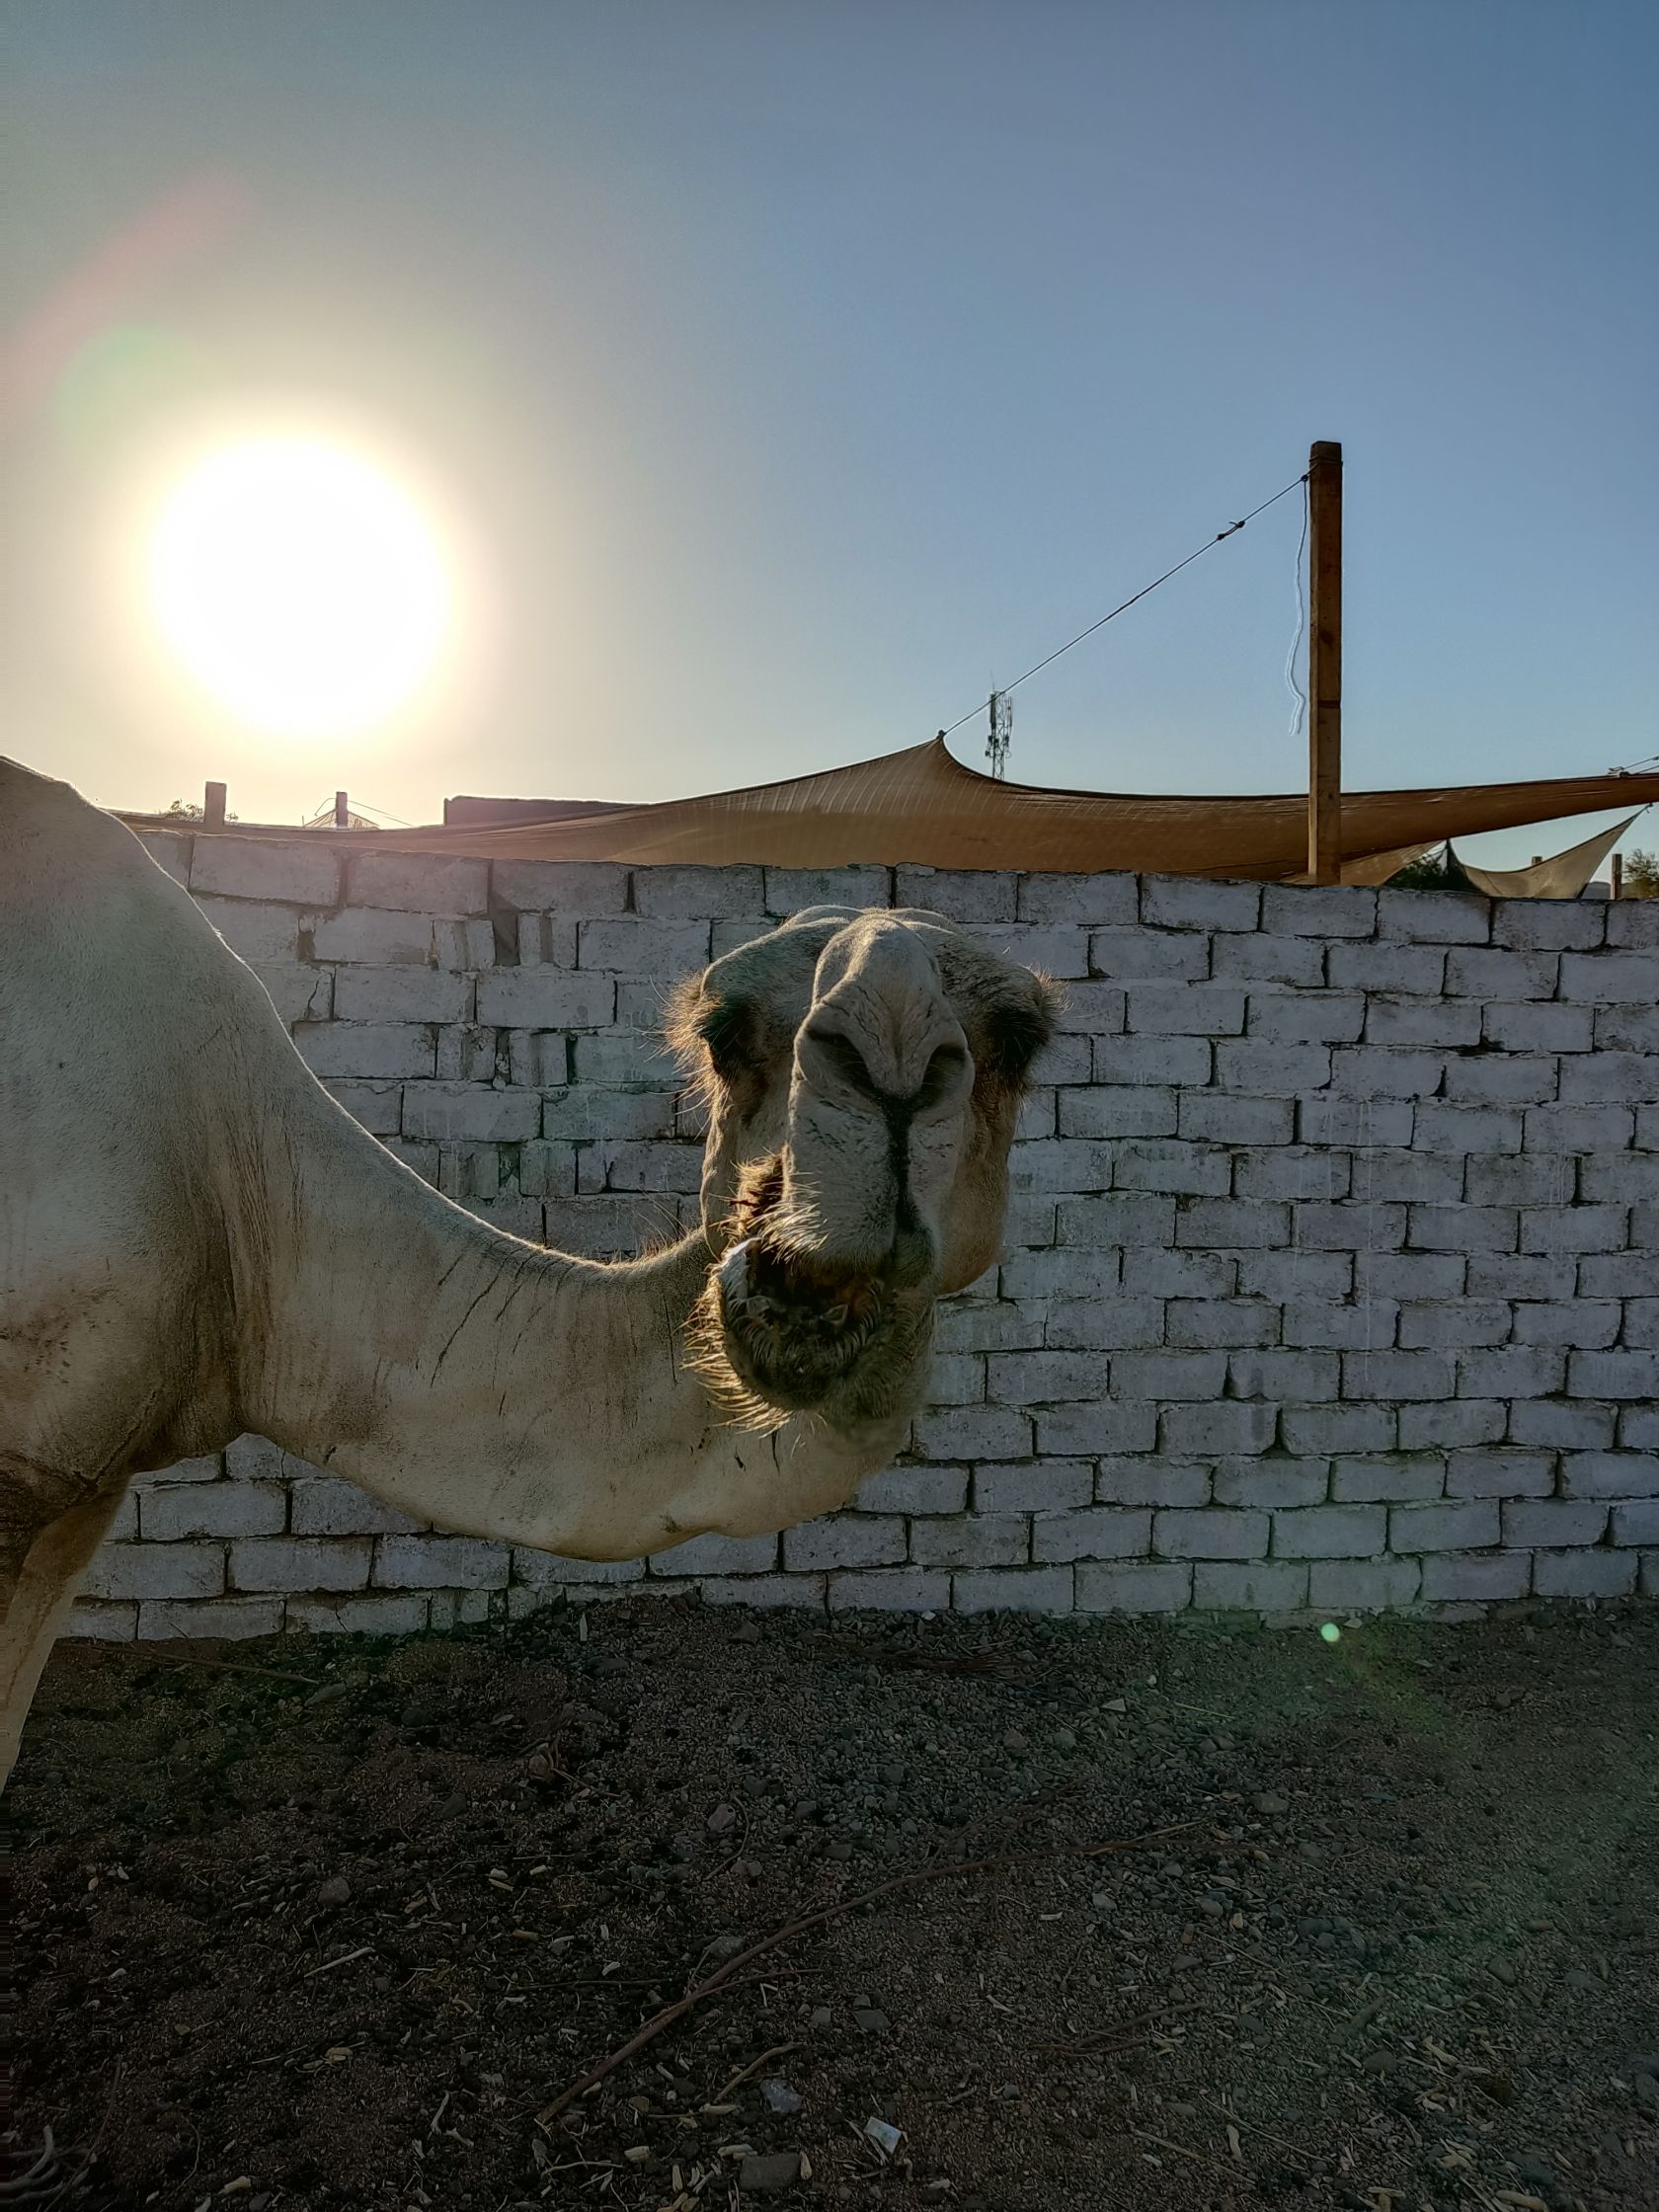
{"x":1563,"y":876}
{"x":922,"y":806}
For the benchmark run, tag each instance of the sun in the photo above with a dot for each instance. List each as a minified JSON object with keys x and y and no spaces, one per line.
{"x":299,"y":584}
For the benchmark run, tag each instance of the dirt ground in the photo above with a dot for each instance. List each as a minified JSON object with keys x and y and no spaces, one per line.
{"x":1271,"y":1920}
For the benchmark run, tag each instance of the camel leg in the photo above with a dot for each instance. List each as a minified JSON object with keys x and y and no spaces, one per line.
{"x":40,"y":1578}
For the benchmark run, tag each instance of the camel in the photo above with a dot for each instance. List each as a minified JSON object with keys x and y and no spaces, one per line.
{"x":196,"y":1240}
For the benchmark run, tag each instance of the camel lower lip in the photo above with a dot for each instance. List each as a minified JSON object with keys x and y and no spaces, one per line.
{"x":793,"y":1329}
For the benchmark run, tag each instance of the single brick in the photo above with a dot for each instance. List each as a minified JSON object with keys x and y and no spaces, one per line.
{"x":437,"y":883}
{"x":438,"y":1561}
{"x":1104,"y":1324}
{"x":1584,"y":1323}
{"x":1195,"y":1009}
{"x":908,"y":1490}
{"x":1299,"y":1172}
{"x":1506,"y":975}
{"x":1317,"y":1431}
{"x":1203,"y":1323}
{"x":1349,"y":1226}
{"x":213,"y":1509}
{"x":156,"y":1570}
{"x":1121,"y":1218}
{"x":404,"y":993}
{"x":1189,"y":903}
{"x":562,"y":887}
{"x":1233,"y":1221}
{"x":1521,"y":1275}
{"x":1195,"y":1376}
{"x":1468,"y":1128}
{"x":675,"y":894}
{"x":1501,"y":1474}
{"x":891,"y":1590}
{"x":1636,"y":1521}
{"x":547,"y":1570}
{"x":1363,"y":1121}
{"x":1368,"y":1327}
{"x":1222,"y":1430}
{"x":1034,"y":1486}
{"x":1151,"y":1273}
{"x":1151,"y":1059}
{"x":788,"y":890}
{"x":1137,"y":1588}
{"x":1284,"y":1374}
{"x":232,"y":1618}
{"x":1610,"y":1077}
{"x":1613,"y":1375}
{"x":718,"y":1554}
{"x":1388,"y":1478}
{"x":1249,"y":959}
{"x":1098,"y":1425}
{"x":1463,"y":1527}
{"x":1222,"y":1118}
{"x":1465,"y":1228}
{"x":1575,"y":1228}
{"x":1578,"y":1129}
{"x":1553,"y":1522}
{"x":1513,"y":1371}
{"x":978,"y":1540}
{"x":846,"y":1540}
{"x":1393,"y":967}
{"x":1539,"y":1026}
{"x":1106,"y":900}
{"x":1146,"y":956}
{"x":1270,"y":1070}
{"x":1453,"y":1324}
{"x":301,"y":1563}
{"x":1559,"y":1424}
{"x":1150,"y":1481}
{"x":547,"y":998}
{"x":802,"y":1593}
{"x":1629,"y":979}
{"x":297,"y":993}
{"x":1438,"y":917}
{"x":1330,"y":1532}
{"x":255,"y":931}
{"x":1115,"y":1110}
{"x":1016,"y":1590}
{"x":1262,"y":1586}
{"x":1420,"y":1022}
{"x":1393,"y":1376}
{"x":91,"y":1622}
{"x":959,"y":894}
{"x":1213,"y":1534}
{"x":304,"y":873}
{"x":1483,"y":1577}
{"x":1373,"y":1074}
{"x":1584,"y":1574}
{"x":384,"y":1049}
{"x":1363,"y":1585}
{"x":1266,"y":1485}
{"x":1501,"y":1078}
{"x":977,"y":1432}
{"x":1096,"y":1532}
{"x":1611,"y":1474}
{"x":470,"y":1110}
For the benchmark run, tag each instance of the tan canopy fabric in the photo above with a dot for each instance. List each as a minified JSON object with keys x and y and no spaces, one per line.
{"x":1563,"y":876}
{"x":924,"y":807}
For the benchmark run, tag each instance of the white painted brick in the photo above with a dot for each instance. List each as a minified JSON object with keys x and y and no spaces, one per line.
{"x":1584,"y":1574}
{"x":1195,"y":1376}
{"x":1305,"y":1172}
{"x":1271,"y":1071}
{"x":1539,"y":1027}
{"x":1513,"y":977}
{"x":1393,"y":967}
{"x":1215,"y":1532}
{"x":1147,"y":955}
{"x":384,"y":1049}
{"x":1501,"y":1474}
{"x":1233,"y":1221}
{"x":718,"y":1554}
{"x":382,"y":1615}
{"x":1633,"y":925}
{"x":437,"y":1562}
{"x":908,"y":1490}
{"x":235,"y":1619}
{"x":1095,"y":1531}
{"x":1033,"y":1486}
{"x":1310,"y":1017}
{"x":1363,"y":1121}
{"x":402,"y":993}
{"x":1222,"y":1430}
{"x":562,"y":887}
{"x":1107,"y":900}
{"x":1055,"y":951}
{"x":1320,"y":1430}
{"x":549,"y":1570}
{"x":1634,"y":1521}
{"x":1552,"y":1522}
{"x":1185,"y":1009}
{"x":1465,"y":1228}
{"x":1267,"y":1486}
{"x":1205,"y":1323}
{"x":91,"y":1623}
{"x":1198,"y":1169}
{"x":1330,"y":1532}
{"x":675,"y":894}
{"x":1137,"y":1588}
{"x":1222,"y":1118}
{"x":1590,"y":1324}
{"x":959,"y":894}
{"x":1261,"y":1586}
{"x":788,"y":890}
{"x":1449,"y":1326}
{"x":1281,"y":1375}
{"x":1189,"y":903}
{"x":846,"y":1540}
{"x":1267,"y":960}
{"x":156,"y":1570}
{"x":892,"y":1590}
{"x":1514,"y":1370}
{"x":1609,"y":1078}
{"x":305,"y":874}
{"x":1349,"y":1226}
{"x":798,"y":1592}
{"x":547,"y":998}
{"x":1421,"y":1023}
{"x":1631,"y":1029}
{"x":1388,"y":1478}
{"x":1558,"y":1425}
{"x":1367,"y":1327}
{"x":254,"y":930}
{"x":1623,"y":977}
{"x":1611,"y":1474}
{"x":1467,"y":1129}
{"x":1119,"y":1219}
{"x":301,"y":1563}
{"x":1578,"y":1129}
{"x":1454,"y":1423}
{"x":1151,"y":1059}
{"x":1438,"y":917}
{"x":1289,"y":1276}
{"x":1371,"y":1073}
{"x":436,"y":883}
{"x":382,"y":937}
{"x":1115,"y":1110}
{"x":1363,"y":1585}
{"x":1150,"y":1481}
{"x":213,"y":1509}
{"x":470,"y":1110}
{"x":1613,"y":1375}
{"x":977,"y":1432}
{"x":1463,"y":1527}
{"x":1016,"y":1590}
{"x":980,"y":1539}
{"x":545,"y":941}
{"x":1501,"y":1079}
{"x":297,"y":993}
{"x":1303,"y":910}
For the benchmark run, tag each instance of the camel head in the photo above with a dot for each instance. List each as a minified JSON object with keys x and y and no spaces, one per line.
{"x":863,"y":1072}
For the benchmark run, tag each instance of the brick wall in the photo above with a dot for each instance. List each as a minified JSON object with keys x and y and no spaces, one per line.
{"x":1332,"y":1277}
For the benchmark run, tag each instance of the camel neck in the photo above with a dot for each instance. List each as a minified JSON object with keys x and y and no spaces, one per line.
{"x":496,"y":1389}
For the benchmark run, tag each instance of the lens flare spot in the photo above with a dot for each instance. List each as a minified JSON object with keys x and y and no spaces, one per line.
{"x":1330,"y":1632}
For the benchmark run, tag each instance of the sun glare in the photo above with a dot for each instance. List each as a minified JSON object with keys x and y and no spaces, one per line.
{"x":300,"y":586}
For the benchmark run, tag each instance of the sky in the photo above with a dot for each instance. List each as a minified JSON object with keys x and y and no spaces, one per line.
{"x":782,"y":377}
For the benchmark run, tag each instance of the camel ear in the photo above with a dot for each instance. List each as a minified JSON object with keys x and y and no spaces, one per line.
{"x":1016,"y":1031}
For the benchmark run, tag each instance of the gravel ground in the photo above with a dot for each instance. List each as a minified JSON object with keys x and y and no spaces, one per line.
{"x":1270,"y":1920}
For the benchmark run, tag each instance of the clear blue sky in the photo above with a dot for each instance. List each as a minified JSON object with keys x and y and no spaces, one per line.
{"x":803,"y":369}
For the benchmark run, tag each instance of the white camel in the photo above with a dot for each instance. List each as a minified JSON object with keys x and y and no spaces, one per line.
{"x":196,"y":1240}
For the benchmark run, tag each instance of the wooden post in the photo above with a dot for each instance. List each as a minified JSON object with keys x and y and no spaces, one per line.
{"x":342,"y":814}
{"x":1618,"y":889}
{"x":214,"y":807}
{"x":1324,"y":664}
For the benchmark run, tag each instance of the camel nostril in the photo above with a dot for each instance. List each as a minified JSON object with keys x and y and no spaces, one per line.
{"x":845,"y":1058}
